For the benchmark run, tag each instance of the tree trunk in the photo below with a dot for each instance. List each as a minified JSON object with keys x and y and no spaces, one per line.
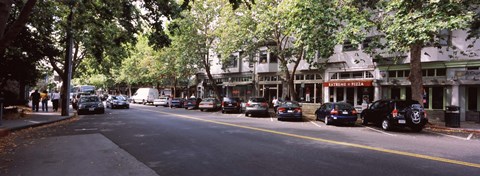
{"x":415,"y":76}
{"x":7,"y":36}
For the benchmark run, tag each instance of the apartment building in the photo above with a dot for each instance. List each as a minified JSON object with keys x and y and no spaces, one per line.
{"x":450,"y":76}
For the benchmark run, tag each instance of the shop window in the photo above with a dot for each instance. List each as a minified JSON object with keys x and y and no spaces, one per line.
{"x":437,"y":100}
{"x":263,"y":57}
{"x":273,"y":58}
{"x":357,"y":75}
{"x":344,"y":75}
{"x":340,"y":92}
{"x":331,"y":91}
{"x":334,"y":76}
{"x":349,"y":46}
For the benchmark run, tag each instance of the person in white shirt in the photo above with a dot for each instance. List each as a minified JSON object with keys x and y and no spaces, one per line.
{"x":55,"y":99}
{"x":275,"y":104}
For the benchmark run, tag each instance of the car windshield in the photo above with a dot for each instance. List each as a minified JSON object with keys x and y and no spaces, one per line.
{"x":258,"y":99}
{"x":89,"y":99}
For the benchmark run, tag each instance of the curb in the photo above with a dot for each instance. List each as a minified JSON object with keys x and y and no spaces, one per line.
{"x":452,"y":129}
{"x":6,"y":131}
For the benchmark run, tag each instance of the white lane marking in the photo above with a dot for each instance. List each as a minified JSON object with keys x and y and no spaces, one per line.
{"x":315,"y":124}
{"x":31,"y":121}
{"x":470,"y":136}
{"x":240,"y":115}
{"x":446,"y":135}
{"x":383,"y":132}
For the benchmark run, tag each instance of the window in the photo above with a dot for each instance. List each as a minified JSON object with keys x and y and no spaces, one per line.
{"x":263,"y":57}
{"x":407,"y":73}
{"x":274,"y":78}
{"x":444,"y":38}
{"x":318,"y":76}
{"x":231,"y":62}
{"x":334,"y":76}
{"x":424,"y":73}
{"x":267,"y":78}
{"x":368,"y":74}
{"x":431,"y":72}
{"x":392,"y":74}
{"x":345,"y":75}
{"x":348,"y":46}
{"x":357,"y":75}
{"x":273,"y":58}
{"x":299,"y":77}
{"x":310,"y":77}
{"x":441,"y":72}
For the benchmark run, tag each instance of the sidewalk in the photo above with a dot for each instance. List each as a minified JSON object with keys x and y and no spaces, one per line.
{"x":32,"y":119}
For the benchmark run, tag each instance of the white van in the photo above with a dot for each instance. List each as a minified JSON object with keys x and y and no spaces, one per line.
{"x":145,"y":95}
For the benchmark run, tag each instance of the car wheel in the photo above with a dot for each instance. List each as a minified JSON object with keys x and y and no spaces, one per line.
{"x":327,"y":122}
{"x":201,"y":110}
{"x":223,"y":112}
{"x":386,"y":125}
{"x":364,"y":121}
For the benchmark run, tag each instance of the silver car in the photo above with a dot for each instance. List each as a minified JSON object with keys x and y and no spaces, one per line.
{"x":256,"y":106}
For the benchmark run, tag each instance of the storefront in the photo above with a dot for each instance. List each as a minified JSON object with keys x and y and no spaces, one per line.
{"x":355,"y":92}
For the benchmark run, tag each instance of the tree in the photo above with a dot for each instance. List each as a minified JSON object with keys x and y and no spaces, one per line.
{"x":409,"y":26}
{"x":9,"y":29}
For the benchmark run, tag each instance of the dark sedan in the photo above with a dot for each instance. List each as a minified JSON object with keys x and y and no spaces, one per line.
{"x":177,"y":102}
{"x":230,"y":104}
{"x":339,"y":112}
{"x":90,"y":104}
{"x":192,"y":103}
{"x":289,"y":110}
{"x":117,"y":101}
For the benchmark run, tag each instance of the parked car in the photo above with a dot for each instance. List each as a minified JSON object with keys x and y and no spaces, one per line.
{"x":231,"y":104}
{"x":255,"y":106}
{"x":117,"y":101}
{"x":162,"y":101}
{"x":336,"y":112}
{"x":177,"y":102}
{"x":90,"y":104}
{"x":145,"y":95}
{"x":192,"y":103}
{"x":399,"y":113}
{"x":289,"y":110}
{"x":209,"y":104}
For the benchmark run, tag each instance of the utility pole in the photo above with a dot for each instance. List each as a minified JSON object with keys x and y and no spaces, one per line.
{"x":68,"y":64}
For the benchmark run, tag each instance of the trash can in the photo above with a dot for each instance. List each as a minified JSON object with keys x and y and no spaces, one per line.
{"x":452,"y":116}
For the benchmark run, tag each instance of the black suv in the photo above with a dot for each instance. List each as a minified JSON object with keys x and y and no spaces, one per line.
{"x":230,"y":104}
{"x":390,"y":113}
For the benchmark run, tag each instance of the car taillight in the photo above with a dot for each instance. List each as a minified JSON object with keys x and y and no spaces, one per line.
{"x":248,"y":104}
{"x":354,"y":112}
{"x":395,"y":113}
{"x":281,"y":109}
{"x":298,"y":109}
{"x":333,"y":112}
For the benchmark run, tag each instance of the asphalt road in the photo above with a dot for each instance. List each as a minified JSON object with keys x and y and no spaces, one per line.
{"x":189,"y":142}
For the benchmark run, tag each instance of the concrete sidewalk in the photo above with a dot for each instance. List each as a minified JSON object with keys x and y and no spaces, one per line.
{"x":32,"y":119}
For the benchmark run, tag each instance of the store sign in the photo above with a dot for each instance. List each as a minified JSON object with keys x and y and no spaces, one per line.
{"x":348,"y":84}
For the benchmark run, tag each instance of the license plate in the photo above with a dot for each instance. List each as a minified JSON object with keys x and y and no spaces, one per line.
{"x":189,"y":102}
{"x":402,"y":121}
{"x":229,"y":104}
{"x":290,"y":111}
{"x":91,"y":109}
{"x":344,"y":112}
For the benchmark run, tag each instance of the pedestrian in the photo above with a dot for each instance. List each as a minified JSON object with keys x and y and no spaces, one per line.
{"x":35,"y":97}
{"x":275,"y":104}
{"x":44,"y":98}
{"x":55,"y":99}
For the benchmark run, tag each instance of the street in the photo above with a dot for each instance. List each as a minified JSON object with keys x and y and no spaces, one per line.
{"x":150,"y":140}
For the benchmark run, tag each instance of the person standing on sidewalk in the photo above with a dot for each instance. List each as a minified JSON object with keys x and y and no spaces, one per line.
{"x":35,"y":97}
{"x":44,"y":97}
{"x":55,"y":98}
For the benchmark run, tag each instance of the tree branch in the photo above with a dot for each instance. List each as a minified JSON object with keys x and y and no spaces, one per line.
{"x":16,"y":27}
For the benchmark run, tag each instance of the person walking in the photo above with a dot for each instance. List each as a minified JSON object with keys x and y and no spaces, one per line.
{"x":35,"y":97}
{"x":275,"y":104}
{"x":55,"y":99}
{"x":44,"y":98}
